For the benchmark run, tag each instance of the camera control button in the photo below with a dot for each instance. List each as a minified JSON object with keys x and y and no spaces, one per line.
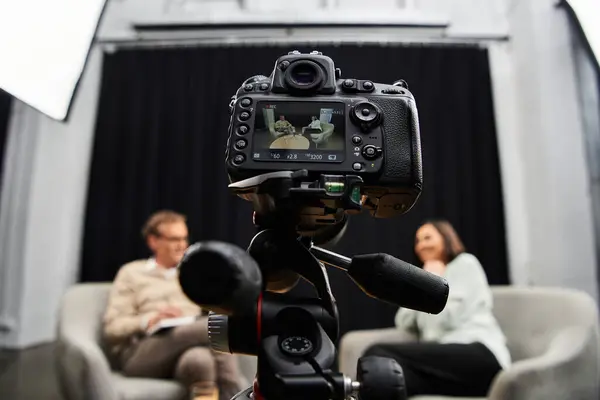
{"x":264,"y":86}
{"x":246,"y":101}
{"x":244,"y":116}
{"x":243,"y":129}
{"x":356,"y":140}
{"x":348,"y":83}
{"x":357,"y":166}
{"x":365,"y":112}
{"x":366,"y":115}
{"x":238,"y":159}
{"x":368,"y":85}
{"x":241,"y":144}
{"x":283,"y":65}
{"x":370,"y":152}
{"x":248,"y":87}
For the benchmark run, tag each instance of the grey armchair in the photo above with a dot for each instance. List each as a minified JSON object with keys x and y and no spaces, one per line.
{"x":85,"y":371}
{"x":553,"y":337}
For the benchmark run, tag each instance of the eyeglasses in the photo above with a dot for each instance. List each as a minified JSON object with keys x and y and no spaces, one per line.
{"x":173,"y":239}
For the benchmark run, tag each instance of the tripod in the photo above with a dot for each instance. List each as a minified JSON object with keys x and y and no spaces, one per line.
{"x":297,"y":348}
{"x":294,"y":338}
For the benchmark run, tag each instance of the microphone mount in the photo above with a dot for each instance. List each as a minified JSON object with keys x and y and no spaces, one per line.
{"x":332,"y":259}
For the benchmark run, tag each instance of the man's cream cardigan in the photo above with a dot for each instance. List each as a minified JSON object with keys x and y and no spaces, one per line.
{"x":140,"y":290}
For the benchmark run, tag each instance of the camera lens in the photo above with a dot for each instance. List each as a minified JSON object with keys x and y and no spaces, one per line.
{"x":304,"y":75}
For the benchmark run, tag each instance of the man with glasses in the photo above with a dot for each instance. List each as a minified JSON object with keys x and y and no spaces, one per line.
{"x":146,"y":292}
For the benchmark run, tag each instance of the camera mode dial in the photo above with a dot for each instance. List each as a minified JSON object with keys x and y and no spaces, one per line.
{"x":366,"y":115}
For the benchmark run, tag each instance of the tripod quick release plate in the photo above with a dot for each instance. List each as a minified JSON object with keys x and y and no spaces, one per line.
{"x":303,"y":202}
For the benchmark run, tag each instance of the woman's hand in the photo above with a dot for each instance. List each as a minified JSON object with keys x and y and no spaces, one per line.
{"x":435,"y":267}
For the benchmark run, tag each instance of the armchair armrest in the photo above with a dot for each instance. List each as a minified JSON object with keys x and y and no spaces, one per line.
{"x":354,"y":344}
{"x":569,"y":369}
{"x":84,"y":371}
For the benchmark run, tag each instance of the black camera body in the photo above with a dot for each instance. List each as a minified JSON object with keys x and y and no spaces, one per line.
{"x":306,"y":117}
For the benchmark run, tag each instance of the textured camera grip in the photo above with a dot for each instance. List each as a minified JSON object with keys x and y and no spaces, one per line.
{"x":395,"y":281}
{"x":402,"y":143}
{"x":415,"y":132}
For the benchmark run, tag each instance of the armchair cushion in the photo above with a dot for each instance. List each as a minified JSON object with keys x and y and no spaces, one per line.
{"x":354,"y":344}
{"x":552,"y":334}
{"x":149,"y":389}
{"x":566,"y":370}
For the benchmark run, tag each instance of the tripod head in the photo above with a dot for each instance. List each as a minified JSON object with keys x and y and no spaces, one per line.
{"x":294,"y":338}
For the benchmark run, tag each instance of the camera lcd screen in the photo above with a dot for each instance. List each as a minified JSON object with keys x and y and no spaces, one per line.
{"x":299,"y":131}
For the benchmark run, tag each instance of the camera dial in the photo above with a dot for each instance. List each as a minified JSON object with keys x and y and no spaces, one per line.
{"x":367,"y":115}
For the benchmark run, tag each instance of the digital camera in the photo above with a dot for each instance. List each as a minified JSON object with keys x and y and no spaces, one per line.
{"x":304,"y":116}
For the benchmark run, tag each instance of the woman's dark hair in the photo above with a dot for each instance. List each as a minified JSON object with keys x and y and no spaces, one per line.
{"x":453,"y":246}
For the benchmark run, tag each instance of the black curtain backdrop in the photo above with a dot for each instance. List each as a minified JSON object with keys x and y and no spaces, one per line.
{"x":5,"y":107}
{"x":162,"y":129}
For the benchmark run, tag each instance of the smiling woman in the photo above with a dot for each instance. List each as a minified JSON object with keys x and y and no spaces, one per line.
{"x":436,"y":240}
{"x":462,"y":348}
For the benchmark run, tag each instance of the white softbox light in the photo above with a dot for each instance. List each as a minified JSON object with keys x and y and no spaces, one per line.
{"x":587,"y":13}
{"x":44,"y":45}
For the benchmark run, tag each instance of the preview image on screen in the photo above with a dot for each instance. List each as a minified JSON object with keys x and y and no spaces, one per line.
{"x":299,"y":131}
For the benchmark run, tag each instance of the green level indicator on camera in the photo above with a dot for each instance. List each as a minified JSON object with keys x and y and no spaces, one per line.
{"x":334,"y":187}
{"x":355,"y":196}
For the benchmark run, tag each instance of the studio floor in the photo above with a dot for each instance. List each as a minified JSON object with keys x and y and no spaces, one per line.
{"x":28,"y":374}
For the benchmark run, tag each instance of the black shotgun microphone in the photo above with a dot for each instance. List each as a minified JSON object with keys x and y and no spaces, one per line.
{"x":398,"y":282}
{"x":392,"y":280}
{"x":220,"y":277}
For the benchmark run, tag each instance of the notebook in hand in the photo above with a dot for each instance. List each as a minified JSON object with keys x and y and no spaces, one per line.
{"x":169,"y":323}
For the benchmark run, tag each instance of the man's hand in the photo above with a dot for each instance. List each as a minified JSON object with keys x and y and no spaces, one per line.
{"x":172,"y":312}
{"x":164,"y":313}
{"x":435,"y":267}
